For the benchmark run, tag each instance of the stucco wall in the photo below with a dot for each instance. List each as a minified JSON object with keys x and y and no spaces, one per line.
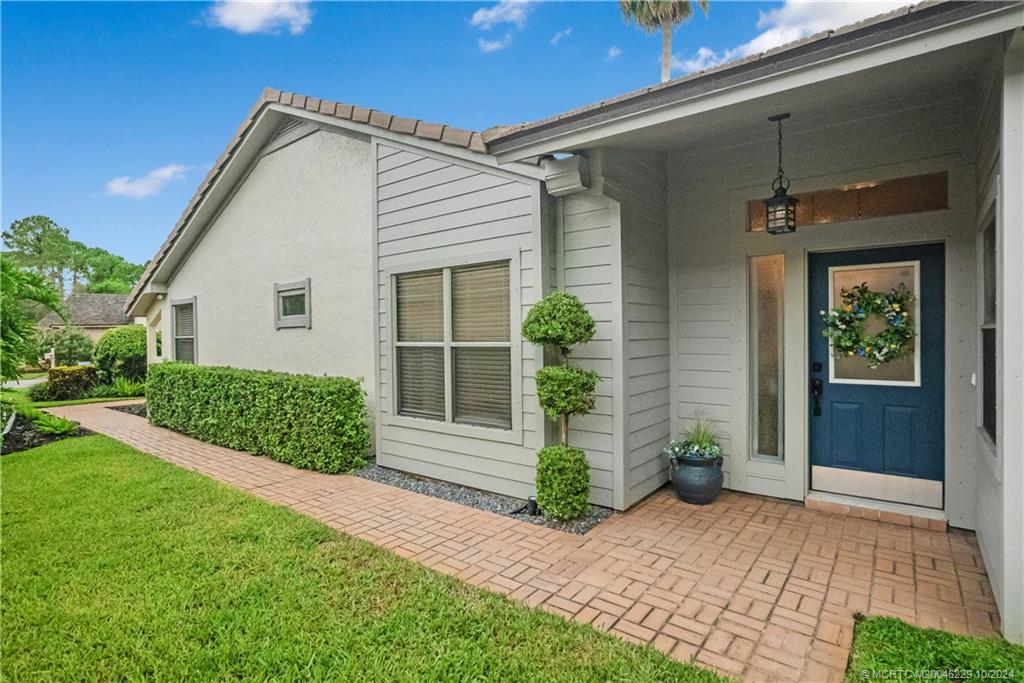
{"x":303,"y":211}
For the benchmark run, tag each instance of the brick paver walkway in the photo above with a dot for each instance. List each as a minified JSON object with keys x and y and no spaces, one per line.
{"x":753,"y":587}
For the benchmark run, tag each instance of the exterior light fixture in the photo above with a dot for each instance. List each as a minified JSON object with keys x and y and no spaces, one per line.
{"x":780,"y":208}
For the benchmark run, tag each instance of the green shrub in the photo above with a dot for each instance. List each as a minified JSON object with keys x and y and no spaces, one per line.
{"x":316,"y":423}
{"x":103,"y":391}
{"x":559,"y":319}
{"x":71,"y":345}
{"x":566,"y":390}
{"x":69,"y":382}
{"x":128,"y":388}
{"x":121,"y":352}
{"x":44,"y":422}
{"x":39,"y":392}
{"x":563,"y":482}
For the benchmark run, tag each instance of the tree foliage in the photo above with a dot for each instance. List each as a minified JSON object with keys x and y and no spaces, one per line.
{"x":20,"y":291}
{"x":39,"y":244}
{"x":651,"y":15}
{"x":563,"y":482}
{"x":566,"y":390}
{"x":71,"y":345}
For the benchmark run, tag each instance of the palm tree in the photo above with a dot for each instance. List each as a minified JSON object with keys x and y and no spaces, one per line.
{"x":652,"y":15}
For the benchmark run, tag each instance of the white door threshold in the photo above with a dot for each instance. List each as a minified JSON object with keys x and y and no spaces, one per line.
{"x":877,"y":510}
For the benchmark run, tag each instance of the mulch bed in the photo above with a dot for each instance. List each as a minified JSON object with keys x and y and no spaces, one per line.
{"x":24,"y":435}
{"x":481,"y":500}
{"x":136,"y":409}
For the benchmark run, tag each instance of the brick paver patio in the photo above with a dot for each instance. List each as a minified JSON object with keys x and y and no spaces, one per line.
{"x":753,"y":587}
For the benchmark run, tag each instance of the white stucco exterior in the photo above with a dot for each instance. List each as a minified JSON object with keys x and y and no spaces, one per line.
{"x":303,"y":211}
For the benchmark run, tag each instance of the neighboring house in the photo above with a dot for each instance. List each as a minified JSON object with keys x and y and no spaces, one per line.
{"x":340,"y":240}
{"x":92,"y":313}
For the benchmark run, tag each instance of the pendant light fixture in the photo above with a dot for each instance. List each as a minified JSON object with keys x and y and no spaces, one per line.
{"x":780,"y":208}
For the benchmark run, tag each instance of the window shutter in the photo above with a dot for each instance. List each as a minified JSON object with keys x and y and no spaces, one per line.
{"x":420,"y":306}
{"x":482,"y":393}
{"x":184,"y":320}
{"x":185,"y":350}
{"x":480,"y":303}
{"x":421,"y":382}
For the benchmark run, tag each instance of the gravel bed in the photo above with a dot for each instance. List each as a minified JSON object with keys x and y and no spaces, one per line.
{"x":136,"y":409}
{"x":481,"y":500}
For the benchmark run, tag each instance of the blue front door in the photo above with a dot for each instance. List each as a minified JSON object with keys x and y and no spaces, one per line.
{"x":878,"y":433}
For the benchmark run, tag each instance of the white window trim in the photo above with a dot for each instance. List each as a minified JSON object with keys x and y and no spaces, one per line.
{"x":752,"y":354}
{"x":195,"y":328}
{"x":391,"y":417}
{"x":288,"y":321}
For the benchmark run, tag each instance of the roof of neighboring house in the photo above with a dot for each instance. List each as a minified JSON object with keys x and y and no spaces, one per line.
{"x":435,"y":132}
{"x":91,"y":310}
{"x":818,"y":47}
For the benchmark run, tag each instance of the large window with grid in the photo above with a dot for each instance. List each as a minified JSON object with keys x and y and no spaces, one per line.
{"x":453,"y":349}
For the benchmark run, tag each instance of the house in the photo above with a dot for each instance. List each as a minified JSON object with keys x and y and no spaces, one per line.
{"x":341,"y":240}
{"x":94,"y":314}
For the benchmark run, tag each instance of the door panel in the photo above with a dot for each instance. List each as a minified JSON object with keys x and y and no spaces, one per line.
{"x":887,"y":423}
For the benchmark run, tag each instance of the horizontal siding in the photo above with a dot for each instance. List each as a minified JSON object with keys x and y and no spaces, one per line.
{"x":431,"y":209}
{"x":588,"y":271}
{"x":648,"y":374}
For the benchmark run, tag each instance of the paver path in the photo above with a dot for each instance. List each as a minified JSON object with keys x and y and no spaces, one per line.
{"x":754,"y":587}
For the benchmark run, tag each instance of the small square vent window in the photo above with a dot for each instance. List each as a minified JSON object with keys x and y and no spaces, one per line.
{"x":291,"y":304}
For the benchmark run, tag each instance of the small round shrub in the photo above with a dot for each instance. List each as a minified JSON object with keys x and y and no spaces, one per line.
{"x":39,"y":392}
{"x":563,"y":482}
{"x":559,"y":319}
{"x":566,"y":390}
{"x":69,"y":382}
{"x":121,"y":352}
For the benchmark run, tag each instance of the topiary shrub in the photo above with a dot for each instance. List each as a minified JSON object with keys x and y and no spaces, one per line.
{"x":69,"y":382}
{"x":316,"y":423}
{"x":563,"y":482}
{"x":121,"y":352}
{"x":560,"y":320}
{"x":563,"y":474}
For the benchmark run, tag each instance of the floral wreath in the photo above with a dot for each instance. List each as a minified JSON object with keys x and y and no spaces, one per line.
{"x":844,"y":325}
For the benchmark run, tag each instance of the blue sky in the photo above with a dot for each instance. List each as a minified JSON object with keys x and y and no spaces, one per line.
{"x":113,"y":112}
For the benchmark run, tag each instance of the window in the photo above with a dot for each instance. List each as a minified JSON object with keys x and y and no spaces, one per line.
{"x":989,"y":384}
{"x":291,"y":304}
{"x":183,"y":326}
{"x":453,"y":351}
{"x":874,"y":199}
{"x":766,"y":350}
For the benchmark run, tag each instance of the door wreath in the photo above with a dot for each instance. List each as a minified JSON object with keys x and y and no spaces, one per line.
{"x":844,"y":325}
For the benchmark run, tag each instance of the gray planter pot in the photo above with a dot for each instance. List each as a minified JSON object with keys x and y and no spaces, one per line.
{"x":696,"y":480}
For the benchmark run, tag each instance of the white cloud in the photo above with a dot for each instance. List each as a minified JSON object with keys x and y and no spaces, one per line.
{"x":147,"y":185}
{"x":558,"y":37}
{"x":613,"y":54}
{"x":260,"y":16}
{"x":488,"y":46}
{"x":506,"y":11}
{"x":796,"y":19}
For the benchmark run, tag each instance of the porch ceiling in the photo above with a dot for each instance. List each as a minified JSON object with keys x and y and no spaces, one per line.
{"x":954,"y":74}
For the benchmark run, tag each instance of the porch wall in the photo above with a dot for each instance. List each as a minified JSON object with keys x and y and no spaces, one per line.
{"x":709,"y":251}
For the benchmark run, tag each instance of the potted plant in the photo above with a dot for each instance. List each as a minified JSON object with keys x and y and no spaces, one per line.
{"x":695,"y":463}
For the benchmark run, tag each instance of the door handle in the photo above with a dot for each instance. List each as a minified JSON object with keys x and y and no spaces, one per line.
{"x":817,"y":387}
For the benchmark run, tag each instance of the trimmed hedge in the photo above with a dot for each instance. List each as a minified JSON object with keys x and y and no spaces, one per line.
{"x":68,"y":382}
{"x":563,"y":482}
{"x":121,"y":352}
{"x":316,"y":423}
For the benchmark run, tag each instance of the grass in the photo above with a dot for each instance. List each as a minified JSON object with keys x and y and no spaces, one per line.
{"x":887,"y":644}
{"x":21,"y":397}
{"x":117,"y":565}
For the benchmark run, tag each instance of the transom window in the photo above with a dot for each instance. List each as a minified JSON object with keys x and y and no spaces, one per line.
{"x":291,"y":304}
{"x":183,"y":326}
{"x":453,"y":346}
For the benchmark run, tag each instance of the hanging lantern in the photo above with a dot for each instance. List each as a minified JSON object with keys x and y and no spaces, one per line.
{"x":780,"y":208}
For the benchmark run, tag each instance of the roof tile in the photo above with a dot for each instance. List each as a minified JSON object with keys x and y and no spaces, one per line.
{"x":379,"y":119}
{"x":361,"y":114}
{"x":456,"y":136}
{"x":429,"y":131}
{"x":403,"y":125}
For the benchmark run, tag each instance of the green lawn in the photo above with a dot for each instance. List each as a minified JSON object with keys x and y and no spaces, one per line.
{"x":119,"y":566}
{"x":20,"y":397}
{"x":885,"y":644}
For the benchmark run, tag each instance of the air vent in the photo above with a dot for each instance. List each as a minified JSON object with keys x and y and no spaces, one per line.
{"x":286,"y":127}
